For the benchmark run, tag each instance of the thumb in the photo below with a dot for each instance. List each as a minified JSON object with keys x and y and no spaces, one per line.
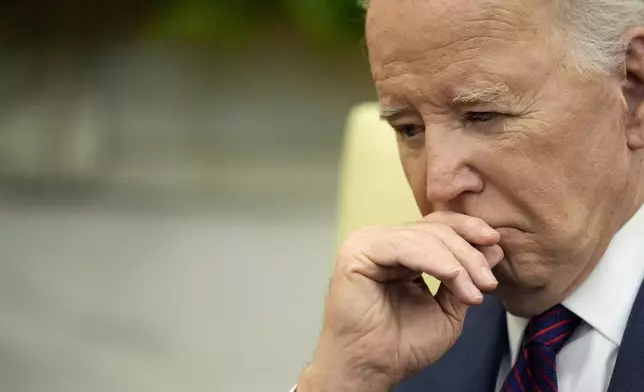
{"x":451,"y":305}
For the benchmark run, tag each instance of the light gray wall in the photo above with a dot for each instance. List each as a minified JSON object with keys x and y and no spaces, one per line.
{"x":185,"y":244}
{"x":98,"y":299}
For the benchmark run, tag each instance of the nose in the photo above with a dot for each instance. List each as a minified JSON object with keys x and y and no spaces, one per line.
{"x":449,"y":175}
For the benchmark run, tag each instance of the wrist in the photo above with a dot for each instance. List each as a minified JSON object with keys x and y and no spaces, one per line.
{"x":320,"y":377}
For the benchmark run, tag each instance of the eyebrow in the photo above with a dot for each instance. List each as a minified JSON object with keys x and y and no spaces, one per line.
{"x":490,"y":93}
{"x":487,"y":94}
{"x":387,"y":113}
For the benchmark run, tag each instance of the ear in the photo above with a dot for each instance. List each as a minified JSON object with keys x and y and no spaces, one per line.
{"x":633,"y":89}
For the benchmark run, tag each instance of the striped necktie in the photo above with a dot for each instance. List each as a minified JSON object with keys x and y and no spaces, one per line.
{"x":536,"y":367}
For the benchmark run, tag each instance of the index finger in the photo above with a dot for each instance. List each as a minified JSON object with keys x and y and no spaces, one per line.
{"x":473,"y":230}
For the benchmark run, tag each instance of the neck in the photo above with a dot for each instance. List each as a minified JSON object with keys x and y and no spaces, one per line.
{"x":636,"y":193}
{"x":630,"y":201}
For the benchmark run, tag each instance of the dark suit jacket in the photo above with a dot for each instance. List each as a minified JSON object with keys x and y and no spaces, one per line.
{"x":472,"y":365}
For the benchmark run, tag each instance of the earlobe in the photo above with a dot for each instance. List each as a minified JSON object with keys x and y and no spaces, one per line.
{"x":635,"y":130}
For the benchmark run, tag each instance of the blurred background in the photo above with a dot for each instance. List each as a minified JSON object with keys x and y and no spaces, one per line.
{"x":168,"y":177}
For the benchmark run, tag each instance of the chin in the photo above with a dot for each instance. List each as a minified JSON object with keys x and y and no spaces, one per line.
{"x":523,"y":273}
{"x":523,"y":302}
{"x":523,"y":306}
{"x":528,"y":264}
{"x":523,"y":283}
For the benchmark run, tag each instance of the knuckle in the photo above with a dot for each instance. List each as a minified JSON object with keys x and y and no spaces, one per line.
{"x":348,"y":251}
{"x":437,"y":216}
{"x":476,"y":224}
{"x":449,"y":230}
{"x":459,"y":271}
{"x":349,"y":260}
{"x":361,"y":242}
{"x":442,"y":228}
{"x":436,"y":226}
{"x":479,"y":257}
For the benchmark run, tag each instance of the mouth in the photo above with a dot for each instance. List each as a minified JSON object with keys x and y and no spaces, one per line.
{"x":505,"y":228}
{"x":502,"y":228}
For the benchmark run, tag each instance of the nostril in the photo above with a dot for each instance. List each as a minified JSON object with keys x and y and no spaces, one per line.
{"x":447,"y":191}
{"x":442,"y":193}
{"x":450,"y":179}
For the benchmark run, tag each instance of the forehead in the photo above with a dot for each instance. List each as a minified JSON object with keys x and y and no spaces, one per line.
{"x":468,"y":39}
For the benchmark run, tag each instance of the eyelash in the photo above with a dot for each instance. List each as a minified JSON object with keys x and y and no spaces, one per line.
{"x":403,"y":130}
{"x":480,"y":117}
{"x":409,"y":131}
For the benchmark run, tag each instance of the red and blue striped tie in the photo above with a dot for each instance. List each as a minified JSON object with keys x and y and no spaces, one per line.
{"x":536,"y":367}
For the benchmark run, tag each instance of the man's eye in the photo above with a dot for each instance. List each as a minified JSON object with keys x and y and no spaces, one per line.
{"x":409,"y":131}
{"x":480,"y":117}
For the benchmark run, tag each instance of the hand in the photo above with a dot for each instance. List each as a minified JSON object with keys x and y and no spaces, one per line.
{"x":381,"y":323}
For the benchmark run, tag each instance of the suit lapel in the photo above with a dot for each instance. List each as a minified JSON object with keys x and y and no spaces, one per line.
{"x":473,"y":363}
{"x":628,"y":375}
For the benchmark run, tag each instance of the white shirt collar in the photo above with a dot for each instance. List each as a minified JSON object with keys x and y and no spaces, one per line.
{"x":604,"y":300}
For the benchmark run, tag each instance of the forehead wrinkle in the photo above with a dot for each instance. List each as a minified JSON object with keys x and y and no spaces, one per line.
{"x":456,"y":25}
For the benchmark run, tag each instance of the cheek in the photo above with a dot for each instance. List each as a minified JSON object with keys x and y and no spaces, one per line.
{"x":588,"y":139}
{"x":593,"y":152}
{"x":416,"y":172}
{"x":526,"y":170}
{"x":562,"y":171}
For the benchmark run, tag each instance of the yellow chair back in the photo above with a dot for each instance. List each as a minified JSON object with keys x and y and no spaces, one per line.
{"x":373,"y":188}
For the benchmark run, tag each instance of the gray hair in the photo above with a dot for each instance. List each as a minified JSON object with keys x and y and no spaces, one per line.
{"x":593,"y":30}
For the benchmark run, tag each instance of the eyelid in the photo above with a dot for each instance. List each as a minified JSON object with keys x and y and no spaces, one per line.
{"x":405,"y":122}
{"x":404,"y":116}
{"x":399,"y":128}
{"x":491,"y":114}
{"x":416,"y":131}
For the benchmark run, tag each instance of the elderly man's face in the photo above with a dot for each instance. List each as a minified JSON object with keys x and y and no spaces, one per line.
{"x":492,"y":124}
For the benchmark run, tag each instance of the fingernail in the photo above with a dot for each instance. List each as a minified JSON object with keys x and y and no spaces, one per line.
{"x":501,"y":255}
{"x":488,"y":276}
{"x":473,"y":292}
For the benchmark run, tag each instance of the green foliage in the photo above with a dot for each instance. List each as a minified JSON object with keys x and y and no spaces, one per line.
{"x":232,"y":21}
{"x":203,"y":21}
{"x":327,"y":20}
